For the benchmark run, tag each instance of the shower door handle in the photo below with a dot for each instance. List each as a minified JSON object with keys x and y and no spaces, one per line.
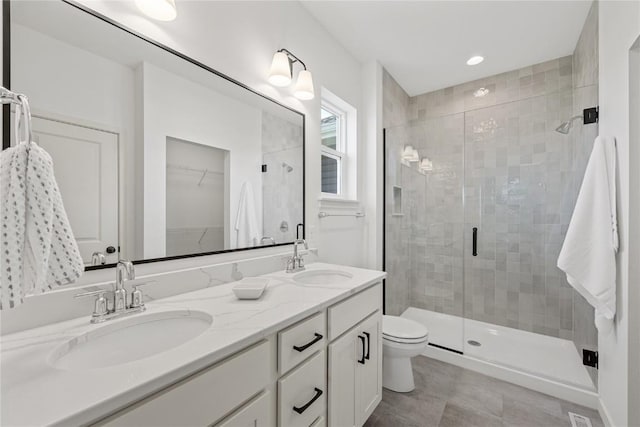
{"x":474,"y":250}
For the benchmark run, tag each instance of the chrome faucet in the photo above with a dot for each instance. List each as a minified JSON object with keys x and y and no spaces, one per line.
{"x":124,"y":268}
{"x":98,"y":258}
{"x":296,"y":262}
{"x":125,"y":271}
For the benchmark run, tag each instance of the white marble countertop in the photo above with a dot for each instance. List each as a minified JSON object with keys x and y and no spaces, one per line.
{"x":36,"y":393}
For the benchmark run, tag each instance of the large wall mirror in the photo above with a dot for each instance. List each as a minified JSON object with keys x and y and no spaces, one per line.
{"x":157,"y":156}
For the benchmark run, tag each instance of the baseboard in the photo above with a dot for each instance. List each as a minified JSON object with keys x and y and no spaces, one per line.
{"x":604,"y":414}
{"x":567,"y":392}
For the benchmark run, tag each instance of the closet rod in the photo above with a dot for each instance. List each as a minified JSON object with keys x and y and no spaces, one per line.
{"x":325,"y":214}
{"x":186,"y":168}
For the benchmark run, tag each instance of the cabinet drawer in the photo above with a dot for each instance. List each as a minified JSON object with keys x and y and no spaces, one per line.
{"x":344,"y":315}
{"x":302,"y":394}
{"x":202,"y":398}
{"x":256,"y":413}
{"x":298,"y":342}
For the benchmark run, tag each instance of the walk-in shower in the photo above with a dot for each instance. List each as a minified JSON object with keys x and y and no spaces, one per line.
{"x":471,"y":244}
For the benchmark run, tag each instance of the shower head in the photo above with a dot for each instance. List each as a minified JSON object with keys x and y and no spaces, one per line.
{"x":565,"y":127}
{"x":287,"y":167}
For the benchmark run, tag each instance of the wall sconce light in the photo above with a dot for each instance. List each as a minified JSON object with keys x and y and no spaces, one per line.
{"x":426,"y":164}
{"x":161,"y":10}
{"x":410,"y":154}
{"x":281,"y":74}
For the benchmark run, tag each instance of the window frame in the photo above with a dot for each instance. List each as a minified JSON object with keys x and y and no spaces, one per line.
{"x":340,"y":153}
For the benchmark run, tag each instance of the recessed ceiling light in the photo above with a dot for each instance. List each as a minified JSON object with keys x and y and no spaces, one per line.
{"x":475,"y":60}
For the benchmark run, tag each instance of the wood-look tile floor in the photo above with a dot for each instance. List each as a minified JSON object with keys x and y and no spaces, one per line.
{"x":449,"y":396}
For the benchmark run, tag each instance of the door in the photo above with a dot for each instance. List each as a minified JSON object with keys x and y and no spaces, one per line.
{"x":342,"y":368}
{"x":368,"y":367}
{"x":86,"y":167}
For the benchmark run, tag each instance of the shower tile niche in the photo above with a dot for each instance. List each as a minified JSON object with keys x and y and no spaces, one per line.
{"x":397,"y":201}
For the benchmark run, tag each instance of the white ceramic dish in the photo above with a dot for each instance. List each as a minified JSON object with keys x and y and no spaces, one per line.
{"x":250,"y":287}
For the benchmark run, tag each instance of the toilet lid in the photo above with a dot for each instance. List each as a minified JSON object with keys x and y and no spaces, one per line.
{"x":403,"y":329}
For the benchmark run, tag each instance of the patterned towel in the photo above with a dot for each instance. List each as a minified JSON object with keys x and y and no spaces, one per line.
{"x":38,"y":250}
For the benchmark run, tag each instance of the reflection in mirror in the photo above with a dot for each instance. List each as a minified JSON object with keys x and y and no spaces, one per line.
{"x":156,"y":156}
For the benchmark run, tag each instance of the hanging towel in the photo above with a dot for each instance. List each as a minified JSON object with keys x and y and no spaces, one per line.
{"x":588,"y":255}
{"x":38,"y":250}
{"x":246,"y":227}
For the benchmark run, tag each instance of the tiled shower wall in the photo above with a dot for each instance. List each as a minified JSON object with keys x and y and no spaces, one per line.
{"x":521,"y":179}
{"x":398,"y":235}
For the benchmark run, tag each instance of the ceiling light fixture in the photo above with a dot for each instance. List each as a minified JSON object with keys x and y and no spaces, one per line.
{"x":426,"y":164}
{"x":483,"y":91}
{"x":410,"y":154}
{"x":282,"y":71}
{"x":161,"y":10}
{"x":475,"y":60}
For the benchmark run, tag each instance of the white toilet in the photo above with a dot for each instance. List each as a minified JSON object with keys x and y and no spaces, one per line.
{"x":402,"y":339}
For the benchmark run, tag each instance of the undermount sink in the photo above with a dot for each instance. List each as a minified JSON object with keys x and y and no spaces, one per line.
{"x":322,"y":277}
{"x":130,"y":339}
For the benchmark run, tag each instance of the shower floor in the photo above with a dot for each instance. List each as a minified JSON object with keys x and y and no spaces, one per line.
{"x":541,"y":355}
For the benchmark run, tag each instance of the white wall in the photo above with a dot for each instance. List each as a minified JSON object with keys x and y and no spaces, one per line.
{"x":239,"y":39}
{"x":103,"y":97}
{"x":619,"y":28}
{"x":373,"y":157}
{"x":178,"y":108}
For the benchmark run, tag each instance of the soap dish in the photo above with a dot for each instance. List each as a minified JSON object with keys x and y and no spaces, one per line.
{"x":250,"y":287}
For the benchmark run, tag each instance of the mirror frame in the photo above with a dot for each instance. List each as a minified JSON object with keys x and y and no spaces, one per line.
{"x":6,"y":114}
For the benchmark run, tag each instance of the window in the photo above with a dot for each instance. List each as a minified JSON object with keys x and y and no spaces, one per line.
{"x":332,"y":152}
{"x":338,"y":148}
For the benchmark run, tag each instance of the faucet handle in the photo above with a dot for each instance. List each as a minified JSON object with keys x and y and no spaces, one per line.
{"x":100,"y":304}
{"x":136,"y":294}
{"x":291,"y":265}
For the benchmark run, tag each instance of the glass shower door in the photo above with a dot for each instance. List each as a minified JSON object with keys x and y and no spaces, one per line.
{"x":424,"y":227}
{"x":519,"y":194}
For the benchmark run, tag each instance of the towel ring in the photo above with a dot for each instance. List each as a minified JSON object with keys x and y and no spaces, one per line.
{"x":23,"y":111}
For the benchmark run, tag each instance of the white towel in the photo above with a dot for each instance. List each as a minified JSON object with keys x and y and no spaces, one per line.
{"x":38,"y":250}
{"x":246,"y":227}
{"x":588,"y":255}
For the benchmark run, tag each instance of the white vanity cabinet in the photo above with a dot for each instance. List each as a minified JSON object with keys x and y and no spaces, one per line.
{"x":323,"y":370}
{"x":206,"y":396}
{"x":355,"y":359}
{"x":257,"y":413}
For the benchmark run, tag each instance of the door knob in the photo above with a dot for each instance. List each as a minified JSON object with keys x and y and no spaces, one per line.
{"x":110,"y":250}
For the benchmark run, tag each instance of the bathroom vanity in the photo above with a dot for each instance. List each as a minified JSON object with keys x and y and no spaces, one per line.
{"x":308,"y":352}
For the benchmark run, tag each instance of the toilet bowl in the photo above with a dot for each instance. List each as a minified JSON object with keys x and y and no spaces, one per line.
{"x":402,"y":339}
